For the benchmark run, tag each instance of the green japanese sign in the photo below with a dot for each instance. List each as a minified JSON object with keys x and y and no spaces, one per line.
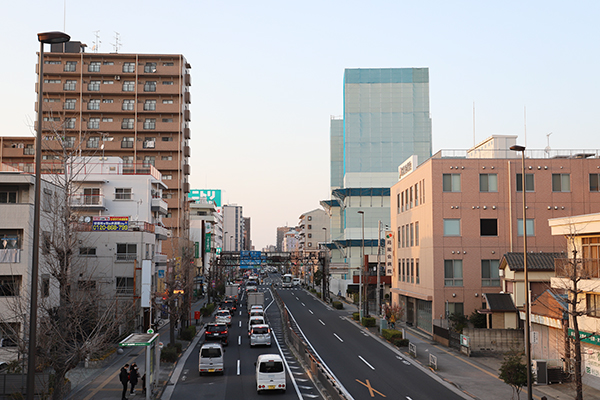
{"x":207,"y":243}
{"x":586,"y":337}
{"x":212,"y":195}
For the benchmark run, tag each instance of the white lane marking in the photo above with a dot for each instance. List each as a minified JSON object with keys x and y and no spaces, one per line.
{"x":289,"y":370}
{"x":303,"y":304}
{"x":239,"y":340}
{"x":297,"y":299}
{"x":238,"y":367}
{"x":240,"y":325}
{"x":323,"y":323}
{"x":339,"y":338}
{"x":240,"y":312}
{"x":310,"y":311}
{"x":365,"y":361}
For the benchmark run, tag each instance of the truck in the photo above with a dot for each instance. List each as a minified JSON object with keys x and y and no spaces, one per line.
{"x":232,"y":292}
{"x":256,"y":299}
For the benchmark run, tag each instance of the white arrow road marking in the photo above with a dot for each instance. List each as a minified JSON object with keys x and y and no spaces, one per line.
{"x":340,"y":339}
{"x":365,"y":361}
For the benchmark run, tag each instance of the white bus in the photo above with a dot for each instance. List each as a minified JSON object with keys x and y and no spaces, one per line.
{"x":287,"y":280}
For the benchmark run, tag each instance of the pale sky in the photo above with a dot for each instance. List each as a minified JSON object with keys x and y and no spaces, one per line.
{"x":267,"y":76}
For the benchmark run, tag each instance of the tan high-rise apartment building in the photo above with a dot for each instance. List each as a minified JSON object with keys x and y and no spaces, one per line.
{"x":133,"y":106}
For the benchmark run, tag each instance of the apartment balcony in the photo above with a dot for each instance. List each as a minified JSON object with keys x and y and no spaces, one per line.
{"x":159,"y":205}
{"x":187,"y":151}
{"x":162,"y":233}
{"x":187,"y":115}
{"x":187,"y":133}
{"x":187,"y":79}
{"x":581,"y":268}
{"x":187,"y":97}
{"x":186,"y":187}
{"x":87,"y":201}
{"x":160,"y":259}
{"x":186,"y":169}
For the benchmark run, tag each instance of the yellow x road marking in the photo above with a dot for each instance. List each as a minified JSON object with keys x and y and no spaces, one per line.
{"x":371,"y":390}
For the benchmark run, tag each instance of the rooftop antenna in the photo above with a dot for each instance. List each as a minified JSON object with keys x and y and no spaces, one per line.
{"x":547,"y":149}
{"x":96,"y":42}
{"x":117,"y":42}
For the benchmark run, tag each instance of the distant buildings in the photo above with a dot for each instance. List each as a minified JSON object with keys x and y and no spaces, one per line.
{"x":233,"y":227}
{"x":313,"y":227}
{"x":386,"y":119}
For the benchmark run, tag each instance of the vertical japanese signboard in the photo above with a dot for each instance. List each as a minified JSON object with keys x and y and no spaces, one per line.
{"x":389,"y":253}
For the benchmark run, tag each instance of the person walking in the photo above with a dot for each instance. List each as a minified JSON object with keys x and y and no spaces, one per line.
{"x":133,"y":376}
{"x":124,"y":378}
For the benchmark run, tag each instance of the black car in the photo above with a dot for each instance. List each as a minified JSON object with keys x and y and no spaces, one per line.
{"x":229,"y":304}
{"x":216,"y":331}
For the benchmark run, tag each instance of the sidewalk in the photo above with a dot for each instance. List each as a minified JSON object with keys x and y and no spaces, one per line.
{"x":476,"y":377}
{"x":94,"y":383}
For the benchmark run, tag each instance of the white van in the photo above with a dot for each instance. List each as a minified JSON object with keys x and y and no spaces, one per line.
{"x":296,"y":282}
{"x":211,"y":359}
{"x":270,"y":373}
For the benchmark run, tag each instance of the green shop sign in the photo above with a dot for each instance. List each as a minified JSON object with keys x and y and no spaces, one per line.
{"x":586,"y":337}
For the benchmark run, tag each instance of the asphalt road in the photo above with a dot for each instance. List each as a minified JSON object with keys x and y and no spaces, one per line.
{"x":238,"y":380}
{"x":364,"y":366}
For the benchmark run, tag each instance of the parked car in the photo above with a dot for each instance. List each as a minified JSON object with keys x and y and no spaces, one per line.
{"x":211,"y":359}
{"x":260,"y":335}
{"x":217,"y":331}
{"x":270,"y":373}
{"x":255,"y":321}
{"x":223,"y":315}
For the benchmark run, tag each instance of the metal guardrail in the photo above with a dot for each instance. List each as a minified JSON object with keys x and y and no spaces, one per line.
{"x":316,"y":368}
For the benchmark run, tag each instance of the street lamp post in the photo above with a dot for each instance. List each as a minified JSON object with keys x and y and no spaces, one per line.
{"x":46,"y":37}
{"x":224,"y":238}
{"x":526,"y":276}
{"x":362,"y":266}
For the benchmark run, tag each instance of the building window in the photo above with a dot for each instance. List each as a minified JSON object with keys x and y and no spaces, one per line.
{"x":488,"y":182}
{"x":91,"y":196}
{"x":412,"y":235}
{"x":127,"y":143}
{"x":168,"y":64}
{"x":51,"y":62}
{"x":69,"y":104}
{"x":70,"y":85}
{"x":45,"y":285}
{"x":167,"y":83}
{"x":167,"y":120}
{"x":123,"y":194}
{"x":309,"y":226}
{"x":150,"y":86}
{"x":10,"y":239}
{"x":593,"y":304}
{"x":169,"y":101}
{"x":94,"y":66}
{"x":453,"y":273}
{"x":416,"y":233}
{"x":150,"y":105}
{"x":70,"y":66}
{"x":149,"y":160}
{"x":594,"y":182}
{"x":530,"y":227}
{"x":417,"y":273}
{"x":94,"y":86}
{"x":126,"y":251}
{"x":490,"y":273}
{"x":416,"y":194}
{"x":451,"y":182}
{"x":149,"y":143}
{"x":46,"y":246}
{"x":107,"y":100}
{"x":529,"y":182}
{"x":109,"y":63}
{"x":166,"y":158}
{"x":9,"y":285}
{"x":108,"y":82}
{"x":93,"y":104}
{"x":70,"y":123}
{"x":167,"y":139}
{"x":150,"y":67}
{"x":107,"y":119}
{"x":124,"y":285}
{"x":166,"y":195}
{"x":93,"y":123}
{"x":310,"y":235}
{"x":127,"y":160}
{"x":53,"y":81}
{"x":128,"y":86}
{"x":150,"y":123}
{"x":169,"y":215}
{"x":93,"y":142}
{"x":488,"y":226}
{"x":561,"y":182}
{"x":128,"y":105}
{"x":167,"y":177}
{"x":87,"y":251}
{"x":309,"y":244}
{"x":451,"y":227}
{"x":127,"y":123}
{"x":455,"y":309}
{"x":128,"y":67}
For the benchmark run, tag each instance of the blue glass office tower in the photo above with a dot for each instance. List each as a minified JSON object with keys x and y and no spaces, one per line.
{"x":386,"y":120}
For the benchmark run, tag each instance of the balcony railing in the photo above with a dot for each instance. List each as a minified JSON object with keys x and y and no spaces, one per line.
{"x":583,"y":268}
{"x":102,"y":168}
{"x":86,"y":200}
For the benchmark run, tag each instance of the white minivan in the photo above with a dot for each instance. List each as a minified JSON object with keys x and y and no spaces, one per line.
{"x":211,"y":359}
{"x":270,"y":373}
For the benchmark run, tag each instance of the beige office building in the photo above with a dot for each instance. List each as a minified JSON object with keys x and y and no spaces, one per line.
{"x":456,"y":214}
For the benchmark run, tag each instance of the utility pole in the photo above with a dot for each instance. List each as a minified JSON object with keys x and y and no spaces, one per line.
{"x":378,"y":294}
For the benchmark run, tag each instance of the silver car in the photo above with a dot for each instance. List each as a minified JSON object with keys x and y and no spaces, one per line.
{"x":260,"y":335}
